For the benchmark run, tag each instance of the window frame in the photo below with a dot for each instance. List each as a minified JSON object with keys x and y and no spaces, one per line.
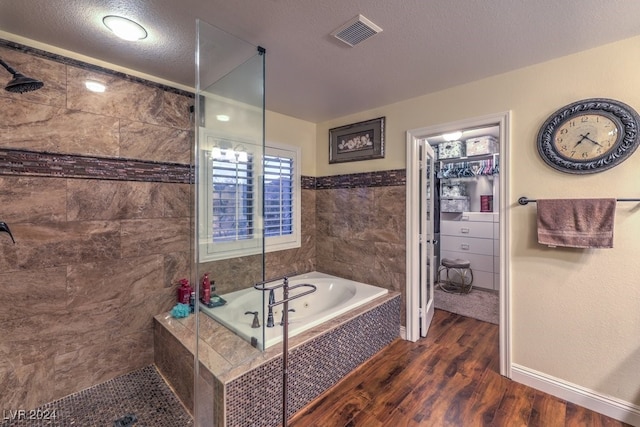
{"x":210,"y":251}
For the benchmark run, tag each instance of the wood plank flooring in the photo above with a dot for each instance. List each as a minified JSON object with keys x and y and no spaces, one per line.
{"x":450,"y":378}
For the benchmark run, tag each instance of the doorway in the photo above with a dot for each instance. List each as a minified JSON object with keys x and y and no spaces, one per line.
{"x":420,"y":279}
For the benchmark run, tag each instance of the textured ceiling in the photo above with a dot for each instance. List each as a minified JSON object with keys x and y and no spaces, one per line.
{"x":425,"y":45}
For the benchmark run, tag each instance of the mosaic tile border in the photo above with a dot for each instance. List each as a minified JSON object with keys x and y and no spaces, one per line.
{"x":85,"y":65}
{"x":30,"y":163}
{"x":368,"y":179}
{"x":255,"y":398}
{"x":308,"y":182}
{"x":33,"y":163}
{"x":142,"y":393}
{"x":388,"y":178}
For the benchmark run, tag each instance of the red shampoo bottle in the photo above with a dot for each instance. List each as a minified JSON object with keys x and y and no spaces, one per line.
{"x":184,"y":291}
{"x":205,"y":292}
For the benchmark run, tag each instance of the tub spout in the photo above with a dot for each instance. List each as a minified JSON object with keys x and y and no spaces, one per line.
{"x":272,"y":300}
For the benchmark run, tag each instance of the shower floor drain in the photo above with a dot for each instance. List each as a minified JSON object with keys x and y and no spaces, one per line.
{"x":126,"y":421}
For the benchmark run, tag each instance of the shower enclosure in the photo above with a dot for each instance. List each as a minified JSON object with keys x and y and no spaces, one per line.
{"x":228,"y":156}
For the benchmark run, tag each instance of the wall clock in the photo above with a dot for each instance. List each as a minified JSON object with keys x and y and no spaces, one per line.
{"x":589,"y":136}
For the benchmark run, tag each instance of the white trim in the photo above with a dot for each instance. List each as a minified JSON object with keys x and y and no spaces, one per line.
{"x":403,"y":332}
{"x":503,"y":120}
{"x":615,"y":408}
{"x":208,"y":251}
{"x":412,"y":223}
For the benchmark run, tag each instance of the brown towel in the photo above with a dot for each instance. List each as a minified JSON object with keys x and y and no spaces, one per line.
{"x":576,"y":223}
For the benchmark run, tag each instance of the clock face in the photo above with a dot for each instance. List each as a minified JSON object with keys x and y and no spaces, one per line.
{"x":586,"y":137}
{"x":589,"y":136}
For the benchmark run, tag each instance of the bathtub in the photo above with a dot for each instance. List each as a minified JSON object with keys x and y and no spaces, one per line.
{"x":333,"y":297}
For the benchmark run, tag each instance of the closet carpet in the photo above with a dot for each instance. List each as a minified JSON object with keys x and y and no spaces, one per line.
{"x":477,"y":304}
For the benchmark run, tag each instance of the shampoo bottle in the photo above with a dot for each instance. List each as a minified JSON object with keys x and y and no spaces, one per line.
{"x":206,"y":289}
{"x":184,"y":291}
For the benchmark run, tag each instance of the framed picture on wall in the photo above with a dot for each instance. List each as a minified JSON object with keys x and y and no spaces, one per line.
{"x":357,"y":141}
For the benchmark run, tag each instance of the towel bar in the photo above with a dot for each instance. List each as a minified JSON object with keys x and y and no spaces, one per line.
{"x":525,"y":200}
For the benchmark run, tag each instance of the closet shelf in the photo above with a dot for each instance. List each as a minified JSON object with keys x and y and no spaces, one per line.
{"x":469,"y":158}
{"x":466,"y":178}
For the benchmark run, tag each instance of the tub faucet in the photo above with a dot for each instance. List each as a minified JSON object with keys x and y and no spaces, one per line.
{"x":272,"y":300}
{"x":256,"y":321}
{"x":282,"y":320}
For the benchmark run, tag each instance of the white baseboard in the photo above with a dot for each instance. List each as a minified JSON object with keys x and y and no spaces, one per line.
{"x":615,"y":408}
{"x":403,"y":332}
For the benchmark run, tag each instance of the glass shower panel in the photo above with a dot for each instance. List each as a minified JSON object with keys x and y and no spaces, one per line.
{"x":229,"y":249}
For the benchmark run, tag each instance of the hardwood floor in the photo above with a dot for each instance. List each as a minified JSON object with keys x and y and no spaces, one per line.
{"x":450,"y":378}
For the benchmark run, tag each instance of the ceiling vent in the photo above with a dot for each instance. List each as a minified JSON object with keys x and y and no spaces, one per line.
{"x":357,"y":30}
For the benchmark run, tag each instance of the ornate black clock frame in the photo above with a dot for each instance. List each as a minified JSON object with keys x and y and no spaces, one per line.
{"x":625,"y":118}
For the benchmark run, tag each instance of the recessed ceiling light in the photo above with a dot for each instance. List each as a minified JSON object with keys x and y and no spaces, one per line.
{"x":125,"y":28}
{"x":94,"y":86}
{"x":223,"y":117}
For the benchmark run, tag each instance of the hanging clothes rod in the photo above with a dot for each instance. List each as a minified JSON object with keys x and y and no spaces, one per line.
{"x":524,"y":200}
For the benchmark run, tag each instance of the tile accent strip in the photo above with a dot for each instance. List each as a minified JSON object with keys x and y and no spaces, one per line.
{"x":367,"y":179}
{"x":32,"y":163}
{"x":29,"y":163}
{"x":308,"y":182}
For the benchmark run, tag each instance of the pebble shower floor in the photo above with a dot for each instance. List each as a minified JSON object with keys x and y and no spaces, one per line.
{"x":141,"y":395}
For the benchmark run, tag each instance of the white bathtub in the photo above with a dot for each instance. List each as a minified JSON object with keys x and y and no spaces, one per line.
{"x":334,"y":296}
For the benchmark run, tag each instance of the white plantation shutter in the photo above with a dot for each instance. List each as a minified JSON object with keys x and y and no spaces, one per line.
{"x":234,"y":226}
{"x":278,"y":196}
{"x":232,"y":204}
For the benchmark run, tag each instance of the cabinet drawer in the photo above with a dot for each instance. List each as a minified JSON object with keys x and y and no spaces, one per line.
{"x":467,"y":228}
{"x":478,"y":262}
{"x":466,"y":244}
{"x":478,"y":216}
{"x":482,"y":279}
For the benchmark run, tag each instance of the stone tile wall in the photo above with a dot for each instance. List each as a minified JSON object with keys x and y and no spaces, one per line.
{"x":360,"y":221}
{"x":95,"y":188}
{"x":353,"y":226}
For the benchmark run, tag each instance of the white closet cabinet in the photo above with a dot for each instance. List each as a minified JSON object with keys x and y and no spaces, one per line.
{"x":473,"y":236}
{"x":469,"y":221}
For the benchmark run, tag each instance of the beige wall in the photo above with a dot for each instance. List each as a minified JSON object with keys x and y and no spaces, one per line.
{"x":575,"y":313}
{"x":291,"y":131}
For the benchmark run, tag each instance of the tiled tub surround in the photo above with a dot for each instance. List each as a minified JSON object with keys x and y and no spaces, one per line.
{"x":247,"y":384}
{"x":353,"y":226}
{"x":360,"y":228}
{"x":95,"y":190}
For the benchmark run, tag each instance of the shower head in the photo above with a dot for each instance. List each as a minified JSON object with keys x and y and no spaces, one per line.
{"x":20,"y":83}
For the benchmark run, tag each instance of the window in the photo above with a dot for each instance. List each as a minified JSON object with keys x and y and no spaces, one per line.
{"x":233,"y":197}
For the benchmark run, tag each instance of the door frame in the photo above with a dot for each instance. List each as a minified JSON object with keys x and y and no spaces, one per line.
{"x":503,"y":120}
